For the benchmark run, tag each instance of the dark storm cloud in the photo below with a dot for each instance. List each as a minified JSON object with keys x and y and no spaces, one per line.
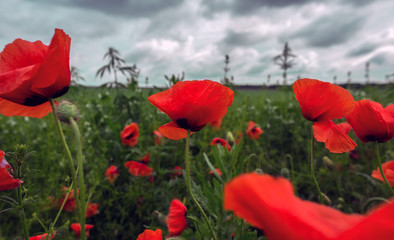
{"x":363,"y":49}
{"x":128,"y":8}
{"x":331,"y":30}
{"x":382,"y":59}
{"x":236,"y":39}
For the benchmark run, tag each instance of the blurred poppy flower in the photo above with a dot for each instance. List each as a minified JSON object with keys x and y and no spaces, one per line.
{"x":138,"y":169}
{"x":31,"y":73}
{"x":191,"y":105}
{"x":372,"y":122}
{"x":150,"y":235}
{"x":176,"y":172}
{"x":222,"y":142}
{"x":7,"y":181}
{"x":70,"y":204}
{"x":254,"y":131}
{"x":176,"y":218}
{"x":216,"y":124}
{"x":159,"y":138}
{"x":267,"y":202}
{"x":145,"y":159}
{"x":111,"y":173}
{"x":217,"y":170}
{"x":321,"y":102}
{"x":76,"y":227}
{"x":354,"y":155}
{"x":91,"y":210}
{"x":388,"y":170}
{"x":130,"y":134}
{"x":41,"y":237}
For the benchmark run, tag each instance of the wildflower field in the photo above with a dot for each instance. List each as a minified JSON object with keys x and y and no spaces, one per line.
{"x":259,"y":164}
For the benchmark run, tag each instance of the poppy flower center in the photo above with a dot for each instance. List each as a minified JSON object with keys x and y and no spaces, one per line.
{"x":182,"y":122}
{"x":130,"y":135}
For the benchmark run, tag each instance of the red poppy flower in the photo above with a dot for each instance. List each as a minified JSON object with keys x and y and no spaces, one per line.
{"x":151,"y":235}
{"x":159,"y":138}
{"x":41,"y":237}
{"x":76,"y":227}
{"x":372,"y":122}
{"x":112,"y":173}
{"x":217,"y":170}
{"x":176,"y":172}
{"x":254,"y":131}
{"x":321,"y":102}
{"x":191,"y":105}
{"x":130,"y":134}
{"x":267,"y":202}
{"x":216,"y":124}
{"x":70,"y":204}
{"x":176,"y":218}
{"x":91,"y":210}
{"x":388,"y":170}
{"x":31,"y":73}
{"x":345,"y":127}
{"x":145,"y":159}
{"x":138,"y":169}
{"x":222,"y":142}
{"x":7,"y":181}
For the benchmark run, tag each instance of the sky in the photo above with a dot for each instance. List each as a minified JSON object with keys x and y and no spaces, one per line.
{"x":329,"y":37}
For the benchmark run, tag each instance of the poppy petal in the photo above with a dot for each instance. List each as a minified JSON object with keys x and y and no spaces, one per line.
{"x":388,"y":170}
{"x":173,"y":131}
{"x":8,"y":108}
{"x":345,"y":127}
{"x":336,"y":141}
{"x":268,"y":202}
{"x":176,"y":219}
{"x":322,"y":100}
{"x":150,"y":235}
{"x":194,"y":103}
{"x":371,"y":122}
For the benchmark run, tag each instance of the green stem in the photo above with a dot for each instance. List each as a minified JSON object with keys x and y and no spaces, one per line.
{"x":68,"y":153}
{"x":189,"y":189}
{"x":313,"y":167}
{"x":381,"y":169}
{"x":81,"y":180}
{"x":21,"y":212}
{"x":61,"y":208}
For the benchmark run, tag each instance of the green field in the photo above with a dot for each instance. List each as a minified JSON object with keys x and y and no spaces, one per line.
{"x":126,"y":207}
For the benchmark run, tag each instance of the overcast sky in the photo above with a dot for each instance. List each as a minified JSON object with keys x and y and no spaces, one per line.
{"x":161,"y":37}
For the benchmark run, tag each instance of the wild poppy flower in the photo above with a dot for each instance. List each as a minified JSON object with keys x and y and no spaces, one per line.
{"x":31,"y":73}
{"x":372,"y":122}
{"x":76,"y":227}
{"x":388,"y":170}
{"x":191,"y":105}
{"x":151,"y":235}
{"x":130,"y":134}
{"x":41,"y":237}
{"x":159,"y":138}
{"x":345,"y":127}
{"x":254,"y":131}
{"x":138,"y":169}
{"x":91,"y":210}
{"x":216,"y":124}
{"x":176,"y":218}
{"x":145,"y":159}
{"x":112,"y":173}
{"x":267,"y":202}
{"x":222,"y":142}
{"x":321,"y":102}
{"x":7,"y":181}
{"x":176,"y":172}
{"x":70,"y":204}
{"x":217,"y":170}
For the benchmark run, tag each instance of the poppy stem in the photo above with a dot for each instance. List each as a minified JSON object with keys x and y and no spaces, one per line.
{"x":81,"y":179}
{"x":20,"y":207}
{"x":68,"y":153}
{"x":313,"y":167}
{"x":381,"y":169}
{"x":189,"y":189}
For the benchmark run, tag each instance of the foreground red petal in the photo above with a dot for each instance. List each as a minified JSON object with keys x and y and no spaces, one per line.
{"x":371,"y":122}
{"x":42,"y":236}
{"x":172,"y":131}
{"x":8,"y":108}
{"x":268,"y":202}
{"x":336,"y":141}
{"x":193,"y":104}
{"x":150,"y":235}
{"x":176,"y":219}
{"x":388,"y":170}
{"x":345,"y":127}
{"x":322,"y":100}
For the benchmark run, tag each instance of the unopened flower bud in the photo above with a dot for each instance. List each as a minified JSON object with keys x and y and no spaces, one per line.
{"x":66,"y":110}
{"x":230,"y":138}
{"x":285,"y":173}
{"x":328,"y":163}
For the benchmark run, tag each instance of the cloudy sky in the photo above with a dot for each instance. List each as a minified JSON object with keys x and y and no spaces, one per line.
{"x":329,"y":37}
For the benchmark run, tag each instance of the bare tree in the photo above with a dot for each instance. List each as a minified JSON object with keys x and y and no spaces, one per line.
{"x":226,"y":81}
{"x":367,"y":73}
{"x":285,"y":61}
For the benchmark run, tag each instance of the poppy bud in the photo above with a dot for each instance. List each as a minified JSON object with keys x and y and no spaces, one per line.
{"x":326,"y":199}
{"x":66,"y":110}
{"x":230,"y":138}
{"x":160,"y":217}
{"x":259,"y":171}
{"x":285,"y":173}
{"x":328,"y":163}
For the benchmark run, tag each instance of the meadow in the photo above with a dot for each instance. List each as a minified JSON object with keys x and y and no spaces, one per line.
{"x":131,"y":204}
